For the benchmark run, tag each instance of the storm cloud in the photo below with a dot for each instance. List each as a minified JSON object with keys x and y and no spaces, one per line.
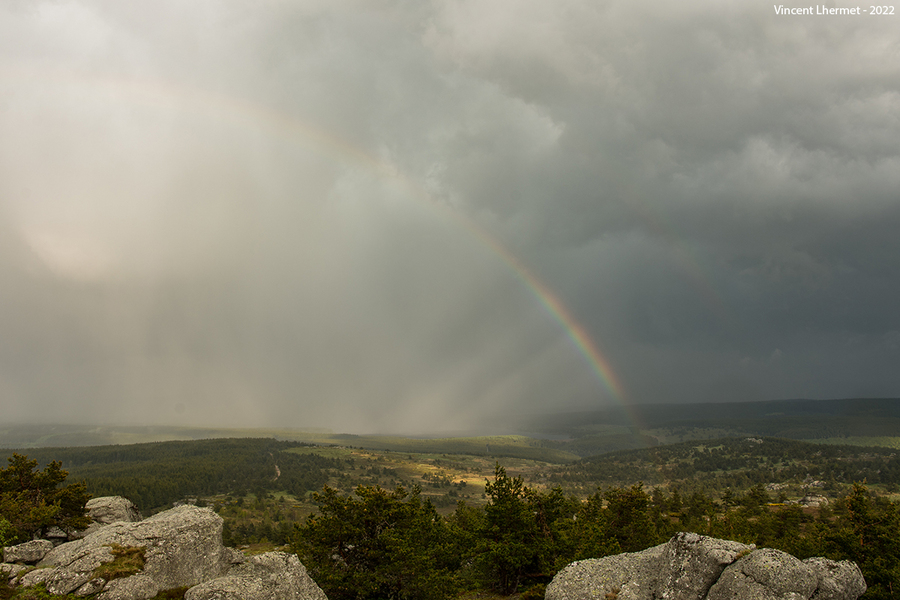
{"x":359,"y":215}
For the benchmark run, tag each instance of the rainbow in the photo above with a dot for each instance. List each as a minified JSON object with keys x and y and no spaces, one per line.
{"x":279,"y":124}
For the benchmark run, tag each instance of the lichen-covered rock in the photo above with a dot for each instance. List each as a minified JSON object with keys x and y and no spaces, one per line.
{"x":690,"y":564}
{"x":9,"y":570}
{"x":111,"y":509}
{"x":269,"y":576}
{"x":836,"y":580}
{"x":136,"y":587}
{"x":629,"y":576}
{"x":34,"y":577}
{"x":183,"y":546}
{"x":91,"y":587}
{"x":765,"y":574}
{"x":106,"y":510}
{"x":74,"y":574}
{"x":695,"y":567}
{"x":234,"y":556}
{"x":28,"y":553}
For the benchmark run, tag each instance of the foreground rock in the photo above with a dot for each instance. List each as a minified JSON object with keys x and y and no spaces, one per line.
{"x":691,"y":564}
{"x":27,"y":553}
{"x":623,"y":577}
{"x":10,"y":571}
{"x":182,"y":547}
{"x":269,"y":576}
{"x":695,"y":567}
{"x":836,"y":580}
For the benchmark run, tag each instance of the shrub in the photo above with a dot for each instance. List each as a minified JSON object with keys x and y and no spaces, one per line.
{"x":535,"y":592}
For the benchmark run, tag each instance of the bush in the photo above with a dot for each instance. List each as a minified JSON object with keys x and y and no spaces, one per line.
{"x":535,"y":592}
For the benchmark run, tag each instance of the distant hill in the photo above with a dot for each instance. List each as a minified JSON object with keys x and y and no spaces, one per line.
{"x":32,"y":437}
{"x":554,"y":437}
{"x":594,"y":432}
{"x":23,"y":436}
{"x":734,"y":463}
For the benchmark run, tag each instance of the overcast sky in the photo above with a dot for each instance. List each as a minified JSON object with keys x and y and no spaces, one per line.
{"x":360,"y":214}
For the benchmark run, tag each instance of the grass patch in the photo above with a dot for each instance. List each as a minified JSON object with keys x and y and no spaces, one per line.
{"x":128,"y":561}
{"x":38,"y":592}
{"x":261,"y":548}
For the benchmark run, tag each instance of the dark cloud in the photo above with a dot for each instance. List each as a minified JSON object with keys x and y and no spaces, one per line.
{"x":299,"y":213}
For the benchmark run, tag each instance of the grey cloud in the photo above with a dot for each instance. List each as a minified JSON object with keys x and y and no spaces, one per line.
{"x":276,"y":213}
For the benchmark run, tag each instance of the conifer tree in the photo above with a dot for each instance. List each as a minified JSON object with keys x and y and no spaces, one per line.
{"x":32,"y":500}
{"x":380,"y":544}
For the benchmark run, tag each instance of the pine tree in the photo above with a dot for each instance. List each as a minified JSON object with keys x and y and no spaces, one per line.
{"x":32,"y":501}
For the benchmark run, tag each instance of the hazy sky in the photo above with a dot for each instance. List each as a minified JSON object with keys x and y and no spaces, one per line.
{"x":317,"y":213}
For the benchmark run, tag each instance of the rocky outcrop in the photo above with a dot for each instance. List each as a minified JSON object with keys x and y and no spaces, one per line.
{"x":130,"y":588}
{"x":181,"y":547}
{"x":269,"y":576}
{"x":765,"y":574}
{"x":110,"y":509}
{"x":106,"y":510}
{"x":695,"y":567}
{"x":10,"y":571}
{"x":627,"y":575}
{"x":836,"y":580}
{"x":813,"y":501}
{"x":27,"y":553}
{"x":691,"y":564}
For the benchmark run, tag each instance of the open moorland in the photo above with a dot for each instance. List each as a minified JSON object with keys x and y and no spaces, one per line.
{"x":797,"y":496}
{"x":582,"y":485}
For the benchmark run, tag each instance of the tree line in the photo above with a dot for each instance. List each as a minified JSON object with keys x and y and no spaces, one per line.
{"x":737,"y":463}
{"x":379,"y":543}
{"x":154,"y":475}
